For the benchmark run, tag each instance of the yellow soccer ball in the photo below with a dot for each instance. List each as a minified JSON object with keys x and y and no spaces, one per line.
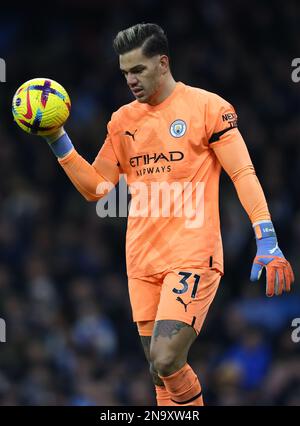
{"x":40,"y":106}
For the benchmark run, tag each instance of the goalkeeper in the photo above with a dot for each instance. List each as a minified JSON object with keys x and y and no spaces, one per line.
{"x":171,"y":133}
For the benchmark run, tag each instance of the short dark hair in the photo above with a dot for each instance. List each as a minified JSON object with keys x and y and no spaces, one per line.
{"x":151,"y":37}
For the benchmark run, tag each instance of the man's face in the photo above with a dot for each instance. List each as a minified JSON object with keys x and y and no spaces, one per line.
{"x":144,"y":75}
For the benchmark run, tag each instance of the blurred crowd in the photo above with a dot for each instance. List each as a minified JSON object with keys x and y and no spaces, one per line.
{"x":63,"y":287}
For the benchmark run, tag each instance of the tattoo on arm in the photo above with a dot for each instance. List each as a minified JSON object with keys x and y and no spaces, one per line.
{"x":168,"y":328}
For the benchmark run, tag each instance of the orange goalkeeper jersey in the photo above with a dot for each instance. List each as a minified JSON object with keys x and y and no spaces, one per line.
{"x":172,"y":143}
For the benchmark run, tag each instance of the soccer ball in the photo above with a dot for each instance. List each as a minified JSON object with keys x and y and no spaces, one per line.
{"x":40,"y":106}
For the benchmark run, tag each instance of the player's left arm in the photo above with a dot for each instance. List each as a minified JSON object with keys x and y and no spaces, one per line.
{"x":232,"y":153}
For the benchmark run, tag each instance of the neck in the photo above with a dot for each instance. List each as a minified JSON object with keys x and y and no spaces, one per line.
{"x":164,"y":91}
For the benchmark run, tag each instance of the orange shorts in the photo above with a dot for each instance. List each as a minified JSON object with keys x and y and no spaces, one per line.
{"x":182,"y":294}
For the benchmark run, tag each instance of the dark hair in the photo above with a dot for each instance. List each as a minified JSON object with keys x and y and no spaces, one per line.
{"x":150,"y":37}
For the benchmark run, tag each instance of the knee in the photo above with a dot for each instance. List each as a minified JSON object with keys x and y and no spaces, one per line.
{"x":155,"y":377}
{"x":165,"y":364}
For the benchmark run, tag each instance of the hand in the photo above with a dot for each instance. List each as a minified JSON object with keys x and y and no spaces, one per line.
{"x":279,"y":273}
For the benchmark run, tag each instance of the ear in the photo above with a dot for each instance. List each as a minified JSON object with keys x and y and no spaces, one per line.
{"x":164,"y":63}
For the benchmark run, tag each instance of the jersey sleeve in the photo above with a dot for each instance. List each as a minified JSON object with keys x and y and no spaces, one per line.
{"x":94,"y":180}
{"x":221,"y":121}
{"x":232,"y":153}
{"x":84,"y":176}
{"x":106,"y":163}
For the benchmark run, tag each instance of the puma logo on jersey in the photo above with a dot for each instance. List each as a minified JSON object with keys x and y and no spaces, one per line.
{"x":128,"y":133}
{"x":182,"y":302}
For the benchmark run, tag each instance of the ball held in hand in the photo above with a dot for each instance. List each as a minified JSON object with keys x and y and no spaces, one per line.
{"x":41,"y":106}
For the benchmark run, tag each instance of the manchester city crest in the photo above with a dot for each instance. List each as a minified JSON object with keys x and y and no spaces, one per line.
{"x":178,"y":128}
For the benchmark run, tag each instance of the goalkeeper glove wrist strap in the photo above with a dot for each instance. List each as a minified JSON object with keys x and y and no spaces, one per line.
{"x":62,"y":146}
{"x":266,"y":239}
{"x":264,"y":229}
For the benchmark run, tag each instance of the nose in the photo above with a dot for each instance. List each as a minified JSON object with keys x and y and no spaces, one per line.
{"x":131,"y":79}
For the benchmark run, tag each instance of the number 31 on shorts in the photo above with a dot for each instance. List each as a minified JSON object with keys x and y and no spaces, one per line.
{"x":194,"y":280}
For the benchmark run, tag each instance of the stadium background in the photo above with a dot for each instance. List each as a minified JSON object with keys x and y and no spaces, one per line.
{"x":63,"y":290}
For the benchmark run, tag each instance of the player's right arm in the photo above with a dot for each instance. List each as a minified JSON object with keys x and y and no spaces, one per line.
{"x":93,"y":181}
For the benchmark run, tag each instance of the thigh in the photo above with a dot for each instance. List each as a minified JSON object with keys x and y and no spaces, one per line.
{"x":187,"y":294}
{"x":171,"y":340}
{"x":144,"y":294}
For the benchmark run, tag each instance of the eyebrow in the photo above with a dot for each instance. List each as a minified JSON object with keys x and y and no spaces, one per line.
{"x":135,"y":68}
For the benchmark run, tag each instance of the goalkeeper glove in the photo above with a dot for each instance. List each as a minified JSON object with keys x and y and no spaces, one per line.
{"x":279,"y":272}
{"x":59,"y":142}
